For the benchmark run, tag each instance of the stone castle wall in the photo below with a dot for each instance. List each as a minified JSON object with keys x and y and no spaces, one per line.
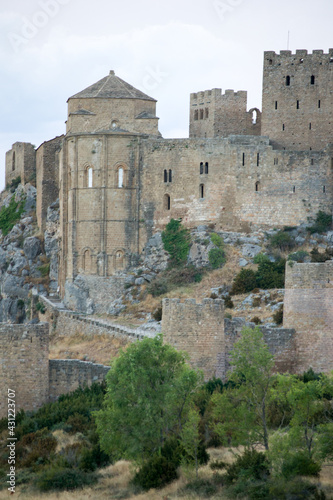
{"x":247,"y":183}
{"x":24,"y":351}
{"x":197,"y":329}
{"x":308,"y":308}
{"x":21,"y":162}
{"x":47,"y":178}
{"x":66,"y":375}
{"x":297,"y":99}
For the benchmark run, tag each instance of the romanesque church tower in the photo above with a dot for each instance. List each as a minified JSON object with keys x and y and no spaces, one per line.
{"x":99,"y":176}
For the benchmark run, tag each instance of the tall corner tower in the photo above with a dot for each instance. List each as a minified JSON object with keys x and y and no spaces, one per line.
{"x":297,"y":104}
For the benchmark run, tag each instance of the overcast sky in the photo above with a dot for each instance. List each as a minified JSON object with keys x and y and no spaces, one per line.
{"x":52,"y":49}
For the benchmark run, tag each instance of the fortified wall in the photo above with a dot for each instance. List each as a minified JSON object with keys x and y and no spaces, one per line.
{"x":203,"y":332}
{"x":308,"y":308}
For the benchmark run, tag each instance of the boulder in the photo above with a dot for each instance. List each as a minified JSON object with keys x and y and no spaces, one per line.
{"x":32,"y":247}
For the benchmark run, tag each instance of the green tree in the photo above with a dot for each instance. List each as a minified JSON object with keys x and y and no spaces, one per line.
{"x":149,"y":393}
{"x":252,"y":366}
{"x":176,"y":240}
{"x":190,"y":438}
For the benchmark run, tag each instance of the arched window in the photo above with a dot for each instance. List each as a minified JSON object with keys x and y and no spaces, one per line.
{"x":243,"y":160}
{"x":206,"y":113}
{"x":201,"y":168}
{"x":287,"y":80}
{"x":170,"y":175}
{"x":202,"y":191}
{"x":196,"y":114}
{"x":13,"y":161}
{"x":254,"y":116}
{"x":89,"y":177}
{"x":165,"y":176}
{"x":120,"y":177}
{"x":257,"y":186}
{"x":324,"y":189}
{"x":119,"y":259}
{"x":294,"y":189}
{"x":201,"y":114}
{"x":167,"y":202}
{"x":206,"y":167}
{"x":313,"y":80}
{"x":87,"y":261}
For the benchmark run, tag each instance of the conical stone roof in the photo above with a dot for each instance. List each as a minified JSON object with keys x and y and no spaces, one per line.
{"x":112,"y":87}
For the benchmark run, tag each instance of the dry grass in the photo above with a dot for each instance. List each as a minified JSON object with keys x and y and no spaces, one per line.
{"x":95,"y":348}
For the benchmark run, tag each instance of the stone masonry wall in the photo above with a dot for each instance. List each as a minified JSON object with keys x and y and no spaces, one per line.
{"x":24,"y":351}
{"x":21,"y":161}
{"x":47,"y":178}
{"x":297,"y":102}
{"x":66,"y":375}
{"x":280,"y":341}
{"x":197,"y":329}
{"x":308,"y":307}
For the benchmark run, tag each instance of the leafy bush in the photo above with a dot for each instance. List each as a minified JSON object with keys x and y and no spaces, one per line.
{"x":157,"y":287}
{"x":271,"y":274}
{"x":316,"y":256}
{"x":278,"y":316}
{"x":92,"y":458}
{"x":256,"y":320}
{"x":216,"y":240}
{"x":260,"y":258}
{"x":10,"y":215}
{"x":322,"y":223}
{"x":60,"y":479}
{"x":14,"y":184}
{"x":217,"y":465}
{"x":244,"y":282}
{"x":297,"y":488}
{"x":40,"y":307}
{"x":155,"y":473}
{"x":299,"y":256}
{"x":252,"y":465}
{"x":176,"y":241}
{"x":282,"y":240}
{"x":44,"y":269}
{"x":300,"y":464}
{"x":216,"y":257}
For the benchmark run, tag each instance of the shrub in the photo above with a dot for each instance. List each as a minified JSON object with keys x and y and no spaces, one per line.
{"x":216,"y":257}
{"x":10,"y":215}
{"x":40,"y":307}
{"x":252,"y":465}
{"x":216,"y":240}
{"x":278,"y":316}
{"x":59,"y":478}
{"x":14,"y":184}
{"x":300,"y":464}
{"x":260,"y":258}
{"x":299,"y":256}
{"x":155,"y":473}
{"x":94,"y":457}
{"x":244,"y":282}
{"x":44,"y":269}
{"x":157,"y":287}
{"x":271,"y":274}
{"x":217,"y":465}
{"x":322,"y":223}
{"x":256,"y":302}
{"x":176,"y":241}
{"x":282,"y":240}
{"x":316,"y":256}
{"x":256,"y":320}
{"x":297,"y":488}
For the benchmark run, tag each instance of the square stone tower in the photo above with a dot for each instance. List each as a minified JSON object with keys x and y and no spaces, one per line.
{"x":297,"y":103}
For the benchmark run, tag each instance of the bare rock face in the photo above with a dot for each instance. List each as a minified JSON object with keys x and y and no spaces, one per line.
{"x":51,"y":243}
{"x":32,"y":247}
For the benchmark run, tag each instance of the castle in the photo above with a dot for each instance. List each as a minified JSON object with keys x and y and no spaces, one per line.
{"x":119,"y":181}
